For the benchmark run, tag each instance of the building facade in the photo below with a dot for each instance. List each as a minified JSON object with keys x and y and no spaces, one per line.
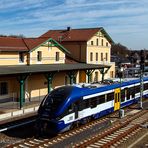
{"x":90,"y":45}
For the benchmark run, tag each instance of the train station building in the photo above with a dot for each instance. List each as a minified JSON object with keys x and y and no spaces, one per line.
{"x":32,"y":67}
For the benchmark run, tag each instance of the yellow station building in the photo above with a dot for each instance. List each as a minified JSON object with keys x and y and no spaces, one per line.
{"x":88,"y":45}
{"x":31,"y":67}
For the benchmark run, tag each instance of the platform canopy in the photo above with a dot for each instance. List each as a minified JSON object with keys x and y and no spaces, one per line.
{"x":43,"y":68}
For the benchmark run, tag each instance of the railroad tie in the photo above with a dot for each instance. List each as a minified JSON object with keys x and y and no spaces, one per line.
{"x":23,"y":146}
{"x":109,"y":138}
{"x":46,"y":145}
{"x":28,"y":144}
{"x":97,"y":144}
{"x":33,"y":142}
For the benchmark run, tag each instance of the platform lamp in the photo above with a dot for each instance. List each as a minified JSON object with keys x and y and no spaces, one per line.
{"x":120,"y":73}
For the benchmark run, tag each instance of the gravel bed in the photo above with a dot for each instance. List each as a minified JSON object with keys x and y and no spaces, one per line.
{"x":6,"y":140}
{"x":16,"y":135}
{"x":135,"y":137}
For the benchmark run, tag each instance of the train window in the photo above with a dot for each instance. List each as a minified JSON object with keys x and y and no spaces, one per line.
{"x":93,"y":102}
{"x":101,"y":99}
{"x":110,"y":97}
{"x":132,"y":92}
{"x":118,"y":94}
{"x":81,"y":104}
{"x":86,"y":103}
{"x":137,"y":89}
{"x":127,"y":93}
{"x":145,"y":86}
{"x":57,"y":97}
{"x":122,"y":95}
{"x":116,"y":100}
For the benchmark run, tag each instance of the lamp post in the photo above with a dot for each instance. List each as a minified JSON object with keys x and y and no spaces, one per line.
{"x":141,"y":77}
{"x":120,"y":76}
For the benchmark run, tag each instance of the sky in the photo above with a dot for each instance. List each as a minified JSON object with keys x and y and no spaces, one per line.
{"x":126,"y":21}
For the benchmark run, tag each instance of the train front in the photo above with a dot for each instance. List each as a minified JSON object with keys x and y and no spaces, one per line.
{"x":48,"y":114}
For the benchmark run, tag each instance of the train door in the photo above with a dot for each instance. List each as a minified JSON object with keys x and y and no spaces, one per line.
{"x":76,"y":108}
{"x":117,"y":99}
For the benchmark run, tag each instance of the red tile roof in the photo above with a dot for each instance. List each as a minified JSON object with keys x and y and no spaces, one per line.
{"x":72,"y":34}
{"x":34,"y":42}
{"x":12,"y":44}
{"x":19,"y":44}
{"x":25,"y":44}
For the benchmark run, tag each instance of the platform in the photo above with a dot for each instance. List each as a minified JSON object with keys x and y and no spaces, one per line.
{"x":10,"y":111}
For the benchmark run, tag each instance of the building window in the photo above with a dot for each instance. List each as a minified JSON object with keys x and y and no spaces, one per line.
{"x":57,"y":56}
{"x":3,"y":88}
{"x":91,"y":56}
{"x":39,"y":56}
{"x":106,"y":57}
{"x":102,"y":42}
{"x":96,"y":56}
{"x":106,"y":43}
{"x":96,"y":77}
{"x":97,"y":42}
{"x":92,"y":43}
{"x":101,"y":56}
{"x":21,"y":57}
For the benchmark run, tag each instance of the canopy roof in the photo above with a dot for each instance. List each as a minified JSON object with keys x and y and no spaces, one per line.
{"x":44,"y":68}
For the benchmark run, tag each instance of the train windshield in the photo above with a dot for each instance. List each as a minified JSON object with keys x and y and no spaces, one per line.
{"x":57,"y":97}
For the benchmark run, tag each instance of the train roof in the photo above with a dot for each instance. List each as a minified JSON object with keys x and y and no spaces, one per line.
{"x":80,"y":90}
{"x":108,"y":84}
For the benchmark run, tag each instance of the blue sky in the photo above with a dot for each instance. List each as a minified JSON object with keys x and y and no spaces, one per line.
{"x":126,"y":21}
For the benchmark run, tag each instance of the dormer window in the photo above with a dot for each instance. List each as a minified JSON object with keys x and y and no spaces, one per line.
{"x":92,"y":43}
{"x":106,"y":43}
{"x":39,"y":56}
{"x":21,"y":57}
{"x":57,"y":56}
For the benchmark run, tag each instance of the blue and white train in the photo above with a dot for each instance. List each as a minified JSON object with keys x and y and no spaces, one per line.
{"x":69,"y":105}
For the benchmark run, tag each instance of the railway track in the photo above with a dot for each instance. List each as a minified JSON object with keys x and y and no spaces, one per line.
{"x":90,"y":129}
{"x":117,"y":134}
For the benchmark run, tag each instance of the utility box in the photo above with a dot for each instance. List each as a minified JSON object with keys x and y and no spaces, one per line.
{"x":121,"y":113}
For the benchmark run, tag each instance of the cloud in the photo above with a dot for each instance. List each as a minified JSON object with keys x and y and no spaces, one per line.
{"x":118,"y":17}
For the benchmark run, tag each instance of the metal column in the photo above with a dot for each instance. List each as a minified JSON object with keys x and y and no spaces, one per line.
{"x":49,"y":77}
{"x":103,"y":72}
{"x":21,"y":80}
{"x":89,"y":73}
{"x":72,"y":77}
{"x":142,"y":66}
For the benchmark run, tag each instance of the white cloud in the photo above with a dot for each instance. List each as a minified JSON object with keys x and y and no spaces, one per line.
{"x":120,"y":17}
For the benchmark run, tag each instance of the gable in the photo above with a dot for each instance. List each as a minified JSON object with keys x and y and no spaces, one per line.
{"x":50,"y":43}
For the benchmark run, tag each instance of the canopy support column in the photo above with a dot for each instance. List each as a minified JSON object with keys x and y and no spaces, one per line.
{"x":21,"y":80}
{"x":103,"y":71}
{"x":89,"y":73}
{"x":49,"y":77}
{"x":72,"y":76}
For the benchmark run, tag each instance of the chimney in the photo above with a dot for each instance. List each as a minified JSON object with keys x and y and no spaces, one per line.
{"x":68,"y":28}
